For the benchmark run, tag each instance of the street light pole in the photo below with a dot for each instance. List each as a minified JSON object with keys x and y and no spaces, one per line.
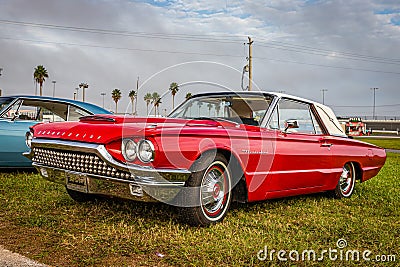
{"x":54,"y":88}
{"x":373,"y":110}
{"x":83,"y":86}
{"x":76,"y":93}
{"x":103,"y":95}
{"x":137,"y":95}
{"x":323,"y":95}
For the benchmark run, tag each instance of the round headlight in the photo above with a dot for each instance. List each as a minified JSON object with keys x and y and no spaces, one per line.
{"x":129,"y":149}
{"x":28,"y":139}
{"x":145,"y":151}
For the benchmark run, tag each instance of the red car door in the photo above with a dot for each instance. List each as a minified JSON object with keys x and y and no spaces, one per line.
{"x":302,"y":161}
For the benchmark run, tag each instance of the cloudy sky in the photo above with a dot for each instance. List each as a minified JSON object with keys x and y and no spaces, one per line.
{"x":300,"y":47}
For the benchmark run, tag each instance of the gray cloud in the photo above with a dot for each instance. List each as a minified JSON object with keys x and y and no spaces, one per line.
{"x":107,"y":61}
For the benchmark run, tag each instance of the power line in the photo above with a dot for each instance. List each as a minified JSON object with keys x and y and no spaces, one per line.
{"x":195,"y":53}
{"x":327,"y":66}
{"x":179,"y":37}
{"x":121,"y":48}
{"x":393,"y":105}
{"x":324,"y":50}
{"x":233,"y":39}
{"x":331,"y":54}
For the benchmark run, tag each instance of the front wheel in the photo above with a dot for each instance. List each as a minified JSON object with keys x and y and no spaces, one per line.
{"x":345,"y":186}
{"x":211,"y":194}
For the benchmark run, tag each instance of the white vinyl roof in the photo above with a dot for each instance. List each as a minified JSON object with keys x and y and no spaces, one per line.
{"x":330,"y":120}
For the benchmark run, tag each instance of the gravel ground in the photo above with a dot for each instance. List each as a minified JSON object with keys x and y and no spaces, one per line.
{"x":10,"y":259}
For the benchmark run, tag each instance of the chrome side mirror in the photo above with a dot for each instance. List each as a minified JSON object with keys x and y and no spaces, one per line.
{"x":290,"y":124}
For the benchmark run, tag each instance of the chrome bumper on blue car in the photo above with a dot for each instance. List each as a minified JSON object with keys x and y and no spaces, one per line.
{"x":89,"y":168}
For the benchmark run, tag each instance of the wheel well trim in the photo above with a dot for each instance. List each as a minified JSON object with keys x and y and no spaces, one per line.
{"x":240,"y":185}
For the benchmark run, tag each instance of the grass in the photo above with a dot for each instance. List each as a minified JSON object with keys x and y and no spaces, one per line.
{"x":386,"y":143}
{"x":40,"y":221}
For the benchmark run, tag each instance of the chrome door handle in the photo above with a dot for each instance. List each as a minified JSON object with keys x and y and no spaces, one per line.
{"x":326,"y":145}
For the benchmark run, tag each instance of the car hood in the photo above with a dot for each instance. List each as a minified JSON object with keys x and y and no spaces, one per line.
{"x":106,"y":128}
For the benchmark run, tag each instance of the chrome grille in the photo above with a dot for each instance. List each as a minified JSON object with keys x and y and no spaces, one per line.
{"x":77,"y":161}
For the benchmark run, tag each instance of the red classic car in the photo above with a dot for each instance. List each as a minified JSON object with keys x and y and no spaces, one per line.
{"x":213,"y":149}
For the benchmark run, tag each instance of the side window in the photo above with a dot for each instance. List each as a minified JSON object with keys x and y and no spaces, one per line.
{"x":22,"y":111}
{"x":293,"y":110}
{"x":12,"y":111}
{"x":318,"y":129}
{"x":50,"y":116}
{"x":36,"y":110}
{"x":46,"y":111}
{"x":74,"y":113}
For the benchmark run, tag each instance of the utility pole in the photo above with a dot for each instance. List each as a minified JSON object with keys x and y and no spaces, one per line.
{"x":323,"y":95}
{"x":54,"y":88}
{"x":103,"y":95}
{"x":137,"y":95}
{"x":1,"y":70}
{"x":250,"y":62}
{"x":373,"y":110}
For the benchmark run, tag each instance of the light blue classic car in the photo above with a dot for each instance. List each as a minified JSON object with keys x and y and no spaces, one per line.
{"x":18,"y":113}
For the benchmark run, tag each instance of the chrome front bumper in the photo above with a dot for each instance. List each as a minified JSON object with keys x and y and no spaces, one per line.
{"x":89,"y":168}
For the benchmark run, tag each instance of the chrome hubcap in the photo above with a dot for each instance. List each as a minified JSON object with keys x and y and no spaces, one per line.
{"x":346,"y":179}
{"x":213,"y":190}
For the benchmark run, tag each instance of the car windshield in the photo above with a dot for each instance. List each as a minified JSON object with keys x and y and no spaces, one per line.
{"x":4,"y":102}
{"x":241,"y":108}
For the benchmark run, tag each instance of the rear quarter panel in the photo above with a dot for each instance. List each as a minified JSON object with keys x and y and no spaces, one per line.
{"x":369,"y":159}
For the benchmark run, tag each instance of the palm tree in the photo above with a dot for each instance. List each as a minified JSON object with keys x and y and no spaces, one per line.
{"x":156,"y":101}
{"x":174,"y":88}
{"x":217,"y":109}
{"x":132,"y":95}
{"x":199,"y":104}
{"x":148,"y":98}
{"x":39,"y":75}
{"x":116,"y":96}
{"x":83,"y":86}
{"x":188,"y":95}
{"x":209,"y":105}
{"x":157,"y":105}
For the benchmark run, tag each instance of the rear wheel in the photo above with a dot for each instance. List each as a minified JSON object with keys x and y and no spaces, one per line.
{"x":211,"y":196}
{"x":345,"y":186}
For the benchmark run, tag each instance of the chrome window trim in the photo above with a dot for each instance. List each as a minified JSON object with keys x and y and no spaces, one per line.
{"x":268,"y":114}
